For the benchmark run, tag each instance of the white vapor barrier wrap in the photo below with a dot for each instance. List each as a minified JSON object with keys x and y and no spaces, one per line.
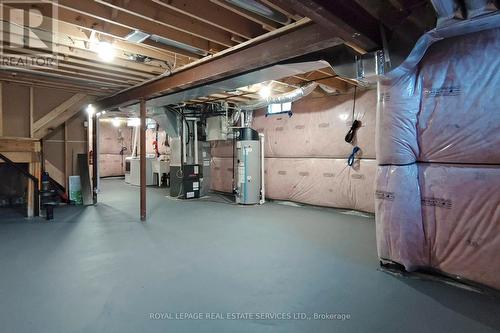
{"x":461,"y":214}
{"x":442,"y":216}
{"x":306,"y":154}
{"x":438,"y":149}
{"x":318,"y":126}
{"x":396,"y":132}
{"x":398,"y":217}
{"x":459,"y":119}
{"x":315,"y":181}
{"x":448,"y":109}
{"x":322,"y":182}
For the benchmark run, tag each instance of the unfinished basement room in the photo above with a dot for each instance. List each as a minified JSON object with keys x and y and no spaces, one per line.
{"x":249,"y":166}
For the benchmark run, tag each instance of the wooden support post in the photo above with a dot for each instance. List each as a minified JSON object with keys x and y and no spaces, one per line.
{"x":32,"y":109}
{"x":1,"y":111}
{"x":142,"y":129}
{"x":66,"y":164}
{"x":95,"y":158}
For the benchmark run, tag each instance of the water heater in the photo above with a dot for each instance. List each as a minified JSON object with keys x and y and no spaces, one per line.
{"x":248,"y":167}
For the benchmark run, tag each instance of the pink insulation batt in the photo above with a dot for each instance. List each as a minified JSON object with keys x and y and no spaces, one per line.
{"x":306,"y":155}
{"x":442,"y":119}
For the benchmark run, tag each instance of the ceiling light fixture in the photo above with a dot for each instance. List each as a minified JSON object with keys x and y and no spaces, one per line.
{"x":106,"y":51}
{"x":116,"y":122}
{"x":265,"y":91}
{"x":133,"y":122}
{"x":90,"y":110}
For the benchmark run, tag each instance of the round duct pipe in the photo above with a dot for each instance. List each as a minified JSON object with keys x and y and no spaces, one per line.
{"x":291,"y":96}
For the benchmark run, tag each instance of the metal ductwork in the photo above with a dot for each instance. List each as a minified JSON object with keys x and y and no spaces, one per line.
{"x":288,"y":97}
{"x":348,"y":63}
{"x":274,"y":72}
{"x":182,"y":46}
{"x":167,"y":119}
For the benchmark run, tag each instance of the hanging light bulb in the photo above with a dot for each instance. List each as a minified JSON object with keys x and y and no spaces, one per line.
{"x":265,"y":91}
{"x":90,"y":110}
{"x":106,"y":51}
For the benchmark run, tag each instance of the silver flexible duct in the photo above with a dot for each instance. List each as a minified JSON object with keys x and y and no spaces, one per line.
{"x":291,"y":96}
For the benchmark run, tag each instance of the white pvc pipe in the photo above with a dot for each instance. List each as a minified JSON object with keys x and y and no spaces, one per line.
{"x":195,"y":126}
{"x":134,"y":149}
{"x":184,"y":150}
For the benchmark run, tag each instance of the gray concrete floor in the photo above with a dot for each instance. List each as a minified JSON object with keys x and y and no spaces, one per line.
{"x":100,"y":270}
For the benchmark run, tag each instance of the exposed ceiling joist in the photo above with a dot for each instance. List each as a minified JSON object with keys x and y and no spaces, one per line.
{"x":282,"y":9}
{"x":264,"y":22}
{"x":303,"y":40}
{"x":33,"y":80}
{"x":121,"y":24}
{"x":214,"y":15}
{"x":345,"y":19}
{"x":157,"y":14}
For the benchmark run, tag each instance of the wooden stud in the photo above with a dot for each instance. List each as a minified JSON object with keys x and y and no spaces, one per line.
{"x":32,"y":109}
{"x":142,"y":129}
{"x":66,"y":164}
{"x":1,"y":109}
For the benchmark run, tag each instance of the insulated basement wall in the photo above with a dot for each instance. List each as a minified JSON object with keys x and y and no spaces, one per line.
{"x":113,"y":139}
{"x":306,"y":155}
{"x":114,"y":145}
{"x":438,"y":183}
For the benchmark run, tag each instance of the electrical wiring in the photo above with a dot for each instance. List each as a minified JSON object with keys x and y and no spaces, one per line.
{"x":356,"y":124}
{"x":352,"y":157}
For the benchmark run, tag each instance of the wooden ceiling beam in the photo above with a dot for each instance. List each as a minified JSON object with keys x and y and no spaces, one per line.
{"x":280,"y":47}
{"x":345,"y":19}
{"x":214,"y":15}
{"x":156,"y":14}
{"x":266,"y":24}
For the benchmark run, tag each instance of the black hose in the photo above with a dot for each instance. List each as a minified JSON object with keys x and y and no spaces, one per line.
{"x":356,"y":124}
{"x":352,"y":132}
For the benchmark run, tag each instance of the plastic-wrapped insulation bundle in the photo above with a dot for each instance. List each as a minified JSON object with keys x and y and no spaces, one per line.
{"x":437,"y":193}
